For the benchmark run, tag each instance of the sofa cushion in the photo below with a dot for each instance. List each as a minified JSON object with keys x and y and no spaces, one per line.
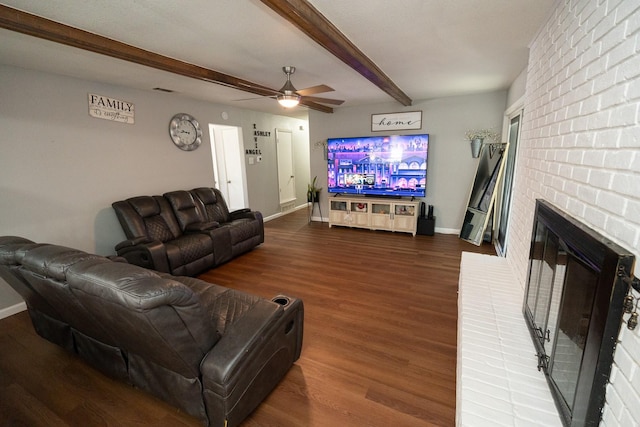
{"x":224,"y":306}
{"x":158,"y":229}
{"x":212,"y":203}
{"x":189,"y":248}
{"x":151,"y":217}
{"x":185,"y":208}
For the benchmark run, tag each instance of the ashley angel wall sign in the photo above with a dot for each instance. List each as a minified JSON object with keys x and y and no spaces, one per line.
{"x":256,"y":133}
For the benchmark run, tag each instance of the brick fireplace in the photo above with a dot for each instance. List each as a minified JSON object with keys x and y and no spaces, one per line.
{"x":572,"y":308}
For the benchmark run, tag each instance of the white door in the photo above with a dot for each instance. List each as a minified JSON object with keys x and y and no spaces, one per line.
{"x":286,"y":178}
{"x":228,"y":164}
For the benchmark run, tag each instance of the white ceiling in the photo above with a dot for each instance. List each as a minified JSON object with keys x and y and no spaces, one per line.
{"x":429,"y":48}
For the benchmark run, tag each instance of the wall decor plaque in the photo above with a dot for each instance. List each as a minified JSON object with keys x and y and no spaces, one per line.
{"x":396,"y":121}
{"x":102,"y":107}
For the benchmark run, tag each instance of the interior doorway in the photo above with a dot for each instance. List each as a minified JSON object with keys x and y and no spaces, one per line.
{"x":229,"y":172}
{"x":286,"y":175}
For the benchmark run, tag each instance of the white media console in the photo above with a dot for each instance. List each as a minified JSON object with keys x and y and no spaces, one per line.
{"x":375,"y":214}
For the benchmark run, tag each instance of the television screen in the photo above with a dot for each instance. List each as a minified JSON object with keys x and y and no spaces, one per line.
{"x":392,"y":165}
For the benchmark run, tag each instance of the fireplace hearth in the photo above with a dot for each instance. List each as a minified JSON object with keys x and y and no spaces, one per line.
{"x":573,"y":306}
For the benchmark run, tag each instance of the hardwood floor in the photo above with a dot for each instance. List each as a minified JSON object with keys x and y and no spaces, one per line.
{"x":379,"y":342}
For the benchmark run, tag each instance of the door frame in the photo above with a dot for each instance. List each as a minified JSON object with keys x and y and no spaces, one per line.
{"x":216,"y":136}
{"x":291,"y":164}
{"x":515,"y":110}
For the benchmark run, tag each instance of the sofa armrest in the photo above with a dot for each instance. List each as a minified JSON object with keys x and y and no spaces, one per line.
{"x":254,"y":354}
{"x":198,"y":227}
{"x":242,"y":213}
{"x":251,"y":342}
{"x":131,"y":242}
{"x":148,"y":254}
{"x":239,"y":341}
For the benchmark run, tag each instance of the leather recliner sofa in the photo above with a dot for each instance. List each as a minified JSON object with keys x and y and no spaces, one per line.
{"x":185,"y":232}
{"x":214,"y":352}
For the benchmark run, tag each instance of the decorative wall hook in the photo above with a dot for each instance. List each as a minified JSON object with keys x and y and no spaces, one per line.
{"x":495,"y":146}
{"x":633,"y":321}
{"x":627,"y":305}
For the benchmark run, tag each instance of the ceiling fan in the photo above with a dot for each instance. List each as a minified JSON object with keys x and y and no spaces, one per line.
{"x":288,"y":96}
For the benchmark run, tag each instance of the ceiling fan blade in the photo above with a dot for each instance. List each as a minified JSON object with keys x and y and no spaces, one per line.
{"x":255,"y":97}
{"x":314,"y":89}
{"x":324,"y":100}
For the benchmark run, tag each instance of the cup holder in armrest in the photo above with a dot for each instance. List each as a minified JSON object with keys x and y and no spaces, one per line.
{"x":282,"y":300}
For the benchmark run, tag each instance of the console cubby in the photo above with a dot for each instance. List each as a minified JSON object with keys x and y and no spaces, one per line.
{"x":375,"y":214}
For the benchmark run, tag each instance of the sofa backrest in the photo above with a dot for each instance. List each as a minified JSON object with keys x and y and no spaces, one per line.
{"x":156,"y":318}
{"x":148,"y":216}
{"x":211,"y":203}
{"x":12,"y":249}
{"x":185,"y":208}
{"x":45,"y":268}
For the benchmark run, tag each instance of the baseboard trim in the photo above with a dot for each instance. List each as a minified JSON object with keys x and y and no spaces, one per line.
{"x":447,"y":230}
{"x":14,"y":309}
{"x":279,"y":214}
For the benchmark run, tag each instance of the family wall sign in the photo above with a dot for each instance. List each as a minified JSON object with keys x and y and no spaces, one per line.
{"x":105,"y":108}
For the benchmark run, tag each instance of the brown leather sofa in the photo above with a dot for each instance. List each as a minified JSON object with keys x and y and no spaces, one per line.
{"x":185,"y":232}
{"x":214,"y":352}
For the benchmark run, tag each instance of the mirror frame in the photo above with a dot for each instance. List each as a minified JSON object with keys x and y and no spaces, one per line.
{"x":476,"y":218}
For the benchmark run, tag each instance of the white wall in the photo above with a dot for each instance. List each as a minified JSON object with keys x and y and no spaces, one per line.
{"x":517,"y":89}
{"x":580,"y":149}
{"x":450,"y":169}
{"x":61,"y":169}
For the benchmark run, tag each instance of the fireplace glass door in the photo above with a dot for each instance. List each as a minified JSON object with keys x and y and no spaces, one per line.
{"x":573,"y":324}
{"x":573,"y":307}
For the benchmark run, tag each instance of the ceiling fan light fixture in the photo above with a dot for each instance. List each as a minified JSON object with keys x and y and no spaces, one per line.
{"x":288,"y":97}
{"x":288,"y":100}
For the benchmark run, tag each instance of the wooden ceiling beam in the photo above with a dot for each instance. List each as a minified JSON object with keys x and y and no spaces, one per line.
{"x":311,"y":22}
{"x":26,"y":23}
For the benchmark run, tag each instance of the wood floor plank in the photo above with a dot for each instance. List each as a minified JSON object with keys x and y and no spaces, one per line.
{"x":18,"y":407}
{"x":379,"y":346}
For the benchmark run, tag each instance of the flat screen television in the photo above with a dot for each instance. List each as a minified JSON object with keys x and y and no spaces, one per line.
{"x":391,"y":165}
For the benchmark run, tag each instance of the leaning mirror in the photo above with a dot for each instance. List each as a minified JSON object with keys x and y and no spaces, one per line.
{"x":483,"y":192}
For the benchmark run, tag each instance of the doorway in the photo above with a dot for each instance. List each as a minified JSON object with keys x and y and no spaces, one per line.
{"x":286,"y":175}
{"x":229,"y":172}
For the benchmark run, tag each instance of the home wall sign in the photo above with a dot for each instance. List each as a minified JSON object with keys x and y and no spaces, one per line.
{"x":396,"y":121}
{"x":256,"y":151}
{"x":102,"y":107}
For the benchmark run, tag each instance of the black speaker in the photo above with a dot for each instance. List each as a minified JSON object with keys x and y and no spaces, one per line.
{"x":430,"y":214}
{"x":426,"y":226}
{"x":422,"y":209}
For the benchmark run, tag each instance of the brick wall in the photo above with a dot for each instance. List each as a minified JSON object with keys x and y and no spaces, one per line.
{"x":580,"y":149}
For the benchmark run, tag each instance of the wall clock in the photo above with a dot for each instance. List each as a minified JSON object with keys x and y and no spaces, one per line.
{"x":185,"y":132}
